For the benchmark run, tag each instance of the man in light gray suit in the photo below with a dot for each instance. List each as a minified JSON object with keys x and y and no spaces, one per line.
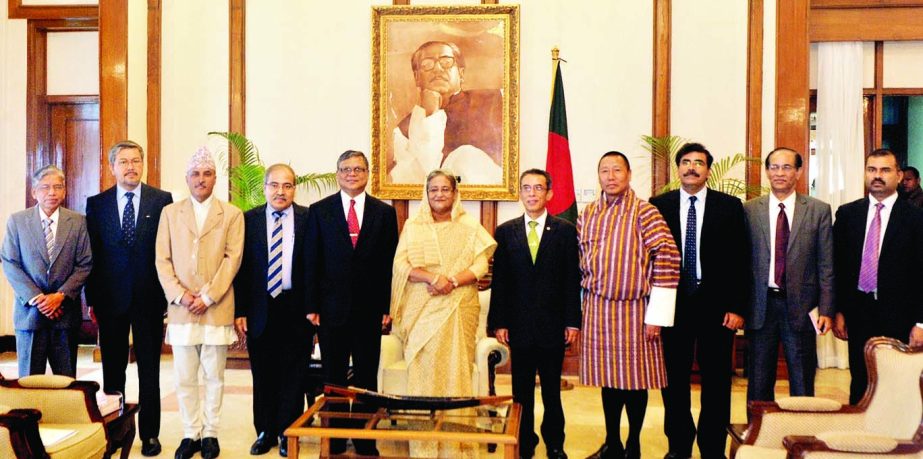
{"x":47,"y":258}
{"x":792,"y":256}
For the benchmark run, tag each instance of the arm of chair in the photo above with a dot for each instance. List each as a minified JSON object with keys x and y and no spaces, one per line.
{"x":25,"y":441}
{"x":769,"y":424}
{"x":61,"y":400}
{"x":489,"y":355}
{"x":799,"y":446}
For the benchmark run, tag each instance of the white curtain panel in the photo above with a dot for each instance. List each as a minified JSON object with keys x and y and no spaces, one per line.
{"x":840,"y":157}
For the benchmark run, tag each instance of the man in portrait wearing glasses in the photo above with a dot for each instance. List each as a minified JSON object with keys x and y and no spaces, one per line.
{"x":46,"y":259}
{"x":269,"y":308}
{"x":791,"y":238}
{"x":349,"y":252}
{"x":535,"y":307}
{"x":448,"y":127}
{"x":123,"y":292}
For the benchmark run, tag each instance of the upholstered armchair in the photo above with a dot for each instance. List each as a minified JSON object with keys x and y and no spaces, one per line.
{"x":887,"y":421}
{"x":59,"y":403}
{"x":392,"y":369}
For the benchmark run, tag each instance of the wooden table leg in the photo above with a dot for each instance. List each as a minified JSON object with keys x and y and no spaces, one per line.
{"x":511,"y":451}
{"x":325,"y":447}
{"x":293,"y":446}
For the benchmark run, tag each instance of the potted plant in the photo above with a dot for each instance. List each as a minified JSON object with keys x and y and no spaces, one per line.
{"x":246,"y":178}
{"x":668,"y":146}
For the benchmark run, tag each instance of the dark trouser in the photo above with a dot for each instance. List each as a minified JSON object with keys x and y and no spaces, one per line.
{"x":635,"y":404}
{"x":147,"y":339}
{"x":279,"y":362}
{"x":361,"y":339}
{"x":710,"y":344}
{"x":800,"y":347}
{"x":56,"y":346}
{"x":525,"y":361}
{"x":865,"y":320}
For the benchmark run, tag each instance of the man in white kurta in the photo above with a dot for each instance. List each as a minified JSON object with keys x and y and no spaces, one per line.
{"x":199,"y":248}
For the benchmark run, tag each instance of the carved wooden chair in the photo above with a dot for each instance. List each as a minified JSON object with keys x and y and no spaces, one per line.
{"x":888,"y":421}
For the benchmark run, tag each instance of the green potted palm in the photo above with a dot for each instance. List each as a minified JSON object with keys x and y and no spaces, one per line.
{"x":668,"y":146}
{"x":245,"y":179}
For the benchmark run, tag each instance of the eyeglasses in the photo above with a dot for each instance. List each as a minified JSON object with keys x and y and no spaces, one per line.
{"x":428,"y":63}
{"x":275,"y":186}
{"x":355,"y":170}
{"x":45,"y":188}
{"x":783,"y":168}
{"x":134,"y":162}
{"x":530,"y":188}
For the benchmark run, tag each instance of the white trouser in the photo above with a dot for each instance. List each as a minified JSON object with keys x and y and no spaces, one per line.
{"x":186,"y":363}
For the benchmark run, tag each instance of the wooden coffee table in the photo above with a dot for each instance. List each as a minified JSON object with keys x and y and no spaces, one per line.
{"x":397,"y":425}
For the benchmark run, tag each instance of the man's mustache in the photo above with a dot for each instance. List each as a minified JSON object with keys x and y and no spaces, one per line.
{"x":691,"y":173}
{"x":878,"y":181}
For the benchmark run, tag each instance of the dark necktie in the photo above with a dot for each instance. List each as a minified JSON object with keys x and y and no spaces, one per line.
{"x":128,"y":220}
{"x":782,"y":232}
{"x":352,"y":222}
{"x":689,"y":256}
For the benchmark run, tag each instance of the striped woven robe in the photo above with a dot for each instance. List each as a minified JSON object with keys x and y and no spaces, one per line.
{"x":630,"y":270}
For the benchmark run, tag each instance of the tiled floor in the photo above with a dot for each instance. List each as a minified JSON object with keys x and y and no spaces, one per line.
{"x":585,"y":427}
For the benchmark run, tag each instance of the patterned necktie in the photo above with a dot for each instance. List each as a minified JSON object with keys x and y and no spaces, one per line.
{"x":352,"y":221}
{"x":49,"y":237}
{"x":128,"y":220}
{"x":689,"y":256}
{"x":274,"y":278}
{"x":868,"y":271}
{"x":782,"y":232}
{"x":533,"y":240}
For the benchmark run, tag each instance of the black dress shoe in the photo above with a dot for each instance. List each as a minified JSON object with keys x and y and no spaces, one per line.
{"x":557,"y":454}
{"x":674,"y":455}
{"x":337,"y":446}
{"x":366,"y":450}
{"x":283,"y":446}
{"x":210,"y":448}
{"x":187,"y":448}
{"x":607,"y":451}
{"x":264,"y":442}
{"x":150,"y":447}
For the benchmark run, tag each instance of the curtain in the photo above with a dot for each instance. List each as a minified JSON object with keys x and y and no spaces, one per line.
{"x":840,"y":152}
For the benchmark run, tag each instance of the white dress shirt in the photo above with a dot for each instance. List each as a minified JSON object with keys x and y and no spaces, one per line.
{"x":773,"y":217}
{"x":121,"y":201}
{"x":360,"y":205}
{"x":540,"y":228}
{"x":699,"y":216}
{"x":288,"y":240}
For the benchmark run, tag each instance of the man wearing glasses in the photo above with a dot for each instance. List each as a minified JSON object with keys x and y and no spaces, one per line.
{"x":448,"y":127}
{"x":792,"y":257}
{"x":535,"y":307}
{"x":349,"y":252}
{"x":46,"y":259}
{"x":269,"y":308}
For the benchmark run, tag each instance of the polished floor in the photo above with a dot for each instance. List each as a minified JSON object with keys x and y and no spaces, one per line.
{"x":585,"y":428}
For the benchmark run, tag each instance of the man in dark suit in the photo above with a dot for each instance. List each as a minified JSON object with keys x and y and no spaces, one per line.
{"x":535,"y":306}
{"x":792,"y":257}
{"x":123,"y":291}
{"x":350,"y":251}
{"x":46,"y":259}
{"x":878,"y":245}
{"x":709,"y":228}
{"x":269,"y":308}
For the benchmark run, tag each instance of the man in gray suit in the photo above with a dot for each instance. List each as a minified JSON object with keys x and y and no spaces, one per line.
{"x":792,"y":256}
{"x":46,"y":258}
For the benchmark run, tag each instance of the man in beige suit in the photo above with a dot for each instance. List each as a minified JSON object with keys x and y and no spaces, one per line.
{"x":199,"y":247}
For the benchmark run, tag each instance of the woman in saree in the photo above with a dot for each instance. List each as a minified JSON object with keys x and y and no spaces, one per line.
{"x":442,"y":253}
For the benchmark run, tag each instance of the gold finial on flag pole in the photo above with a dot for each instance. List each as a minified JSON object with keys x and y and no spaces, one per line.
{"x":554,"y":53}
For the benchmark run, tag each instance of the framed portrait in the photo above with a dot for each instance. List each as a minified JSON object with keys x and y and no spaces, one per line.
{"x":445,"y":94}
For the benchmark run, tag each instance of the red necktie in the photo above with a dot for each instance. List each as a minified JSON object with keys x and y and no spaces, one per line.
{"x":782,"y":232}
{"x":352,"y":221}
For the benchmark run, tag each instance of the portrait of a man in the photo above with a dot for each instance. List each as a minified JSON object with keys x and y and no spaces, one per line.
{"x":446,"y":96}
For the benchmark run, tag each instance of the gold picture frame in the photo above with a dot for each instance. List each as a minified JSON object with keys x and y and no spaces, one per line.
{"x":462,"y":63}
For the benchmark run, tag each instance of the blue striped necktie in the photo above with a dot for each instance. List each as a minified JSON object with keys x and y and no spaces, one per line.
{"x":49,"y":237}
{"x":274,"y":278}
